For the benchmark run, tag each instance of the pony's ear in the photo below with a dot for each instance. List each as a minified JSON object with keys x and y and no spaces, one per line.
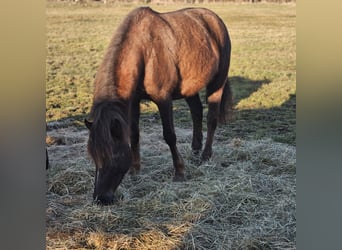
{"x":88,"y":123}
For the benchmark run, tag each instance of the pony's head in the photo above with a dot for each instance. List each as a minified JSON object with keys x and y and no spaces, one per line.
{"x":108,"y":145}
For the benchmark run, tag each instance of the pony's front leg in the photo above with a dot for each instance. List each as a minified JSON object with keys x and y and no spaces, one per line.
{"x":135,"y":136}
{"x":165,"y":110}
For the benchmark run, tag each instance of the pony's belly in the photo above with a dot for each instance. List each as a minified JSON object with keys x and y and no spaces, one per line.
{"x":190,"y":88}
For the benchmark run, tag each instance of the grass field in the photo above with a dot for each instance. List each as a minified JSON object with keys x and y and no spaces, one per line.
{"x":244,"y":198}
{"x":262,"y":73}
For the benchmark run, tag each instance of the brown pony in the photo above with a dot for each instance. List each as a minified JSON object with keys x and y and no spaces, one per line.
{"x":159,"y":57}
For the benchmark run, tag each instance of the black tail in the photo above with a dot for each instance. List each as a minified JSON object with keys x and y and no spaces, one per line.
{"x":226,"y":106}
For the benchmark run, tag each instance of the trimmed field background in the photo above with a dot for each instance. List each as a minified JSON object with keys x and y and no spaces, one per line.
{"x":243,"y":198}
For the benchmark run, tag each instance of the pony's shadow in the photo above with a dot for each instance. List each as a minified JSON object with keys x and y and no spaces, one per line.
{"x":243,"y":87}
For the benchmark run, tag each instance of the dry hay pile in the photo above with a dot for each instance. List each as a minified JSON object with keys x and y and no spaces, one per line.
{"x":244,"y":198}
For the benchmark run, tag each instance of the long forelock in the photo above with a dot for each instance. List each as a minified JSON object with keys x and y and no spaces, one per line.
{"x":101,"y":144}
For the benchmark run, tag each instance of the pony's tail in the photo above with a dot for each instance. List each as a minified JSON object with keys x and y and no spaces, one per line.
{"x":226,"y":106}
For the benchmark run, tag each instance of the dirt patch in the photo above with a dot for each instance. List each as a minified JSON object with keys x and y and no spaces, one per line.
{"x":243,"y":198}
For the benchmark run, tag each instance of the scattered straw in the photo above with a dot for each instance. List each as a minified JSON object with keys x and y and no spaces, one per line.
{"x":243,"y":198}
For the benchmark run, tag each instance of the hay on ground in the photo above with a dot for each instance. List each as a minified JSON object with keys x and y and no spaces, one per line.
{"x":244,"y":198}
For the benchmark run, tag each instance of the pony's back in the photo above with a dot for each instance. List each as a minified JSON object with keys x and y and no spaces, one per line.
{"x":166,"y":56}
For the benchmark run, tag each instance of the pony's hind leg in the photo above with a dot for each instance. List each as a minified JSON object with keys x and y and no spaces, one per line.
{"x":214,"y":101}
{"x":196,"y":110}
{"x":135,"y":136}
{"x":165,"y":110}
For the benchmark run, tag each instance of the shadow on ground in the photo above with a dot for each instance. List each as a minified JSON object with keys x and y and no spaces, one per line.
{"x":277,"y":123}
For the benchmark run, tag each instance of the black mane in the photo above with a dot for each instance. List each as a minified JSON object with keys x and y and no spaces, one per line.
{"x":109,"y":127}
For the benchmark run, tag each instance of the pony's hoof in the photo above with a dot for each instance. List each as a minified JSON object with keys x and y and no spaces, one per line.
{"x":206,"y":156}
{"x":196,"y":151}
{"x":179,"y":178}
{"x":196,"y":159}
{"x":118,"y":197}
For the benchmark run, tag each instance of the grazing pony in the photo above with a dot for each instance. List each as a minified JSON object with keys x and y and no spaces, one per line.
{"x":158,"y":57}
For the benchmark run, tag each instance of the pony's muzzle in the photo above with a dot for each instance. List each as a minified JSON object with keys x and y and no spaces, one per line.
{"x":105,"y":198}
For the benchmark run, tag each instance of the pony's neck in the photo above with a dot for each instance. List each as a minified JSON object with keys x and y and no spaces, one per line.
{"x":117,"y":75}
{"x":104,"y":85}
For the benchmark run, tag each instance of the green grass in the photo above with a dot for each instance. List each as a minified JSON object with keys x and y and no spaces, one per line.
{"x":262,"y":72}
